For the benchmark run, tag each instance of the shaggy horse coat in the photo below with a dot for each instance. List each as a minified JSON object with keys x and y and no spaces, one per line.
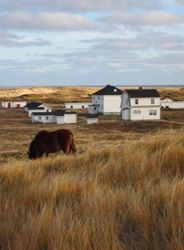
{"x":46,"y":142}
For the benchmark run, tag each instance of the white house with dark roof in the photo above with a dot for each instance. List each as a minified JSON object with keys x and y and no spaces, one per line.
{"x":106,"y":101}
{"x":77,"y":105}
{"x":140,"y":104}
{"x":13,"y":104}
{"x":92,"y":118}
{"x":37,"y":107}
{"x":58,"y":117}
{"x":170,"y":104}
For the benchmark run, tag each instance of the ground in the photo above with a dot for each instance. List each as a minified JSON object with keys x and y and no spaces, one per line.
{"x":123,"y":190}
{"x":17,"y":131}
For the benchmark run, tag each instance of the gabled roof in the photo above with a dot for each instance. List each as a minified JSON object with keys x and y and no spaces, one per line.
{"x":109,"y":90}
{"x":42,"y":113}
{"x":54,"y":113}
{"x":36,"y":108}
{"x":142,"y":93}
{"x":92,"y":116}
{"x":33,"y":105}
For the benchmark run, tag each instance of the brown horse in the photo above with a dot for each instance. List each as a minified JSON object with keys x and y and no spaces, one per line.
{"x":46,"y":142}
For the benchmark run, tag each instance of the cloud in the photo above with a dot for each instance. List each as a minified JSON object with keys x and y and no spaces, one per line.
{"x":12,"y":40}
{"x":77,"y":5}
{"x":44,"y":21}
{"x":150,"y":18}
{"x":158,"y":41}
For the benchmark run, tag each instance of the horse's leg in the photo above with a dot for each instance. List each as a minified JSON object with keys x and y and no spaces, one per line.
{"x":66,"y":148}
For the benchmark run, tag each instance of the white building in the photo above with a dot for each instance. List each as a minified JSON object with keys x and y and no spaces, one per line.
{"x":92,"y":118}
{"x":37,"y":107}
{"x":168,"y":103}
{"x":13,"y":104}
{"x":106,"y":101}
{"x":58,"y":117}
{"x":77,"y":105}
{"x":140,"y":104}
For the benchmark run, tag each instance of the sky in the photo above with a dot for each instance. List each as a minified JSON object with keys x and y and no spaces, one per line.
{"x":91,"y":42}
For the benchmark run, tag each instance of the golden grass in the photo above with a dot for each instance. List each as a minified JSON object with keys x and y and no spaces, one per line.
{"x":126,"y":195}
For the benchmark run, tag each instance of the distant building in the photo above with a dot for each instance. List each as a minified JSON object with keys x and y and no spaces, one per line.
{"x":77,"y":105}
{"x":168,"y":103}
{"x":58,"y":117}
{"x":37,"y":107}
{"x":13,"y":104}
{"x":92,"y":118}
{"x":140,"y":104}
{"x":106,"y":101}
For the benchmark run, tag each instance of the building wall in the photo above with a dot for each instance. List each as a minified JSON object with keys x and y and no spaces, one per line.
{"x":98,"y":100}
{"x":143,"y":113}
{"x":144,"y":102}
{"x":125,"y":114}
{"x":59,"y":119}
{"x":79,"y":105}
{"x":172,"y":104}
{"x":70,"y":118}
{"x":112,"y":104}
{"x":46,"y":109}
{"x":92,"y":120}
{"x":43,"y":119}
{"x":15,"y":104}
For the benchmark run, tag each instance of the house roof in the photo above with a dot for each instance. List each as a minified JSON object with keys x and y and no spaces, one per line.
{"x":42,"y":113}
{"x":142,"y":93}
{"x":92,"y":116}
{"x":38,"y":108}
{"x":109,"y":90}
{"x":54,"y":113}
{"x":33,"y":105}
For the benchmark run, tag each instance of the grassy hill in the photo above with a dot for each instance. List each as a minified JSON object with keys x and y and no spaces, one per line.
{"x":124,"y":195}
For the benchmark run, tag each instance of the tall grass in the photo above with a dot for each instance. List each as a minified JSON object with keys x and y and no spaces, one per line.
{"x":126,"y":196}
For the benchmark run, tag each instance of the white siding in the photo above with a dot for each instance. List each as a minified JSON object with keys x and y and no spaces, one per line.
{"x":70,"y":118}
{"x":112,"y":104}
{"x":59,"y":119}
{"x":92,"y":120}
{"x":98,"y":100}
{"x":172,"y":104}
{"x":78,"y":105}
{"x":142,"y":102}
{"x":43,"y":119}
{"x":125,"y":114}
{"x":144,"y":113}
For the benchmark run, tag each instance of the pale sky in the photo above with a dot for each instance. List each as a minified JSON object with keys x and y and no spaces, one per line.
{"x":91,"y":42}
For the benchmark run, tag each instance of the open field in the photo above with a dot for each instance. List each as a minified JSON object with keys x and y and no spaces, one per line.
{"x":122,"y":190}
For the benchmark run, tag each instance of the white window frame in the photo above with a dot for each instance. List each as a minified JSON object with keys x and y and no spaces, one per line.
{"x":136,"y":101}
{"x":137,"y":112}
{"x":152,"y":101}
{"x":153,"y":112}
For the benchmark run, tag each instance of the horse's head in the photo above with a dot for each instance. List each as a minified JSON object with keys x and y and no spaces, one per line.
{"x":32,"y":153}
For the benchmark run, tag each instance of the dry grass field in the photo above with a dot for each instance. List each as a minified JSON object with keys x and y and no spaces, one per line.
{"x":122,"y":190}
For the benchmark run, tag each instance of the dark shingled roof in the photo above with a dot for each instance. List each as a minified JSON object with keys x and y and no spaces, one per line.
{"x":42,"y":113}
{"x":92,"y":116}
{"x":109,"y":90}
{"x":54,"y":113}
{"x":33,"y":105}
{"x":143,"y":93}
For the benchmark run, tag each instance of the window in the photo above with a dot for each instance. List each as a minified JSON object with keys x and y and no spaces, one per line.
{"x":152,"y":101}
{"x":137,"y":112}
{"x":71,"y":107}
{"x":136,"y":101}
{"x":39,"y":118}
{"x":82,"y":106}
{"x":94,"y":108}
{"x":152,"y":112}
{"x":47,"y":118}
